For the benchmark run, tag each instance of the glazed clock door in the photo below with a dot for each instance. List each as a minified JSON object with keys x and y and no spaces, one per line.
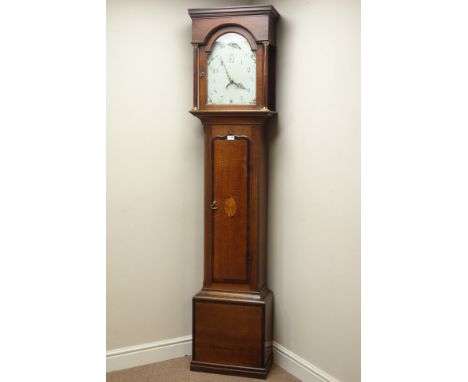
{"x":230,"y":194}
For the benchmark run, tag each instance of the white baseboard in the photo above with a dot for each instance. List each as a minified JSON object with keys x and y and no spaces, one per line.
{"x":298,"y":366}
{"x":138,"y":355}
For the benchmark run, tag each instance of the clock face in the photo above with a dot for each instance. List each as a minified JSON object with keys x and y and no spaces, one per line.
{"x":231,"y":72}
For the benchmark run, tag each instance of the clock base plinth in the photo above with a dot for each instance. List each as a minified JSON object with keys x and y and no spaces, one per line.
{"x":249,"y":372}
{"x":232,"y":334}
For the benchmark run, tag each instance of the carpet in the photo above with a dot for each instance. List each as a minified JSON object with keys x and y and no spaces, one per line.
{"x":178,"y":370}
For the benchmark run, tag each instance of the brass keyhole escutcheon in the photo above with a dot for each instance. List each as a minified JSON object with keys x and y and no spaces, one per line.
{"x":230,"y":207}
{"x":214,"y":205}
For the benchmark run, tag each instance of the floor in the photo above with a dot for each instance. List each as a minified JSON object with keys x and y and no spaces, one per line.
{"x":178,"y":370}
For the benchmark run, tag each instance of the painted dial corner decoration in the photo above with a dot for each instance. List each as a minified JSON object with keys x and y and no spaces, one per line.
{"x":231,"y":72}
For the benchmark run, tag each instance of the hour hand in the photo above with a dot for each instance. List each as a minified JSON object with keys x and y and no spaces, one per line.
{"x":239,"y":85}
{"x":230,"y":83}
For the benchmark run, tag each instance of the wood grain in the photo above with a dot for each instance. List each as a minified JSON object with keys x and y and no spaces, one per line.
{"x":232,"y":335}
{"x":229,"y":333}
{"x":230,"y":169}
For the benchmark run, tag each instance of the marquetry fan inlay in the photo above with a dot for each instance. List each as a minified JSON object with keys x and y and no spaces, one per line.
{"x":230,"y":207}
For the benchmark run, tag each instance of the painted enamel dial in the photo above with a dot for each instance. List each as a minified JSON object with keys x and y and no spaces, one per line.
{"x":231,"y":72}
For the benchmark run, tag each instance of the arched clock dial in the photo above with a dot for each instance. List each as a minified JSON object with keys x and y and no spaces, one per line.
{"x":231,"y":72}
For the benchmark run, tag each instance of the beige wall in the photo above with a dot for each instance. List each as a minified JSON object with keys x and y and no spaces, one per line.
{"x":155,"y":173}
{"x":314,"y":221}
{"x":155,"y":178}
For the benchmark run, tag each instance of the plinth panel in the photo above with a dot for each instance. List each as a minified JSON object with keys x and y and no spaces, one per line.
{"x":232,"y":337}
{"x":228,"y":333}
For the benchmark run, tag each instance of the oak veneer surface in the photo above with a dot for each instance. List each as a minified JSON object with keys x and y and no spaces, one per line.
{"x":228,"y":334}
{"x":235,"y":247}
{"x":231,"y":193}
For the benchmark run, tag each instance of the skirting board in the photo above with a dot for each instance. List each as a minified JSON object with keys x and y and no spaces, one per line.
{"x":298,"y":366}
{"x":138,"y":355}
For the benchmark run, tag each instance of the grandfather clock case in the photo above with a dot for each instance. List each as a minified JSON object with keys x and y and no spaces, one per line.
{"x":233,"y":96}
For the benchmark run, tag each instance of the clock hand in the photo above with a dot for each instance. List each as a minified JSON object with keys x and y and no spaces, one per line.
{"x":231,"y":81}
{"x":227,"y":73}
{"x":239,"y":85}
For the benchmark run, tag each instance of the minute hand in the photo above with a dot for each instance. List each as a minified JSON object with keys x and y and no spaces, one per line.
{"x":227,"y":73}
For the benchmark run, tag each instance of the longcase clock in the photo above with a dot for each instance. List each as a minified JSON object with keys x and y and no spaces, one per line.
{"x":233,"y":96}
